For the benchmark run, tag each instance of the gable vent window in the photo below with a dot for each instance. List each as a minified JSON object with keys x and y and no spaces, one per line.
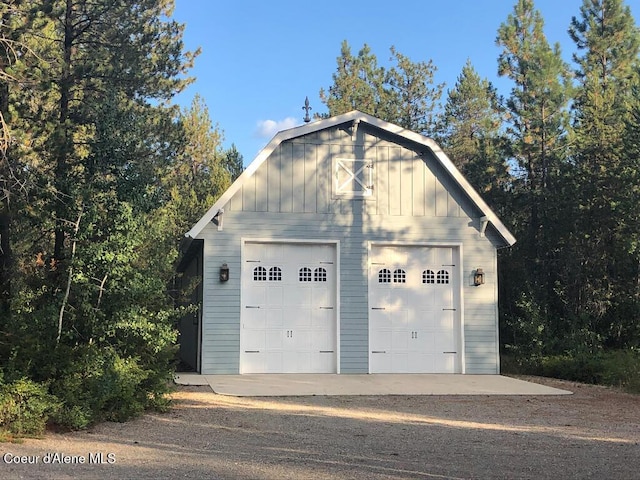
{"x":353,"y":177}
{"x":275,"y":274}
{"x":320,"y":274}
{"x":442,"y":277}
{"x":384,"y":276}
{"x":399,"y":276}
{"x":428,"y":276}
{"x":304,"y":275}
{"x":259,"y":274}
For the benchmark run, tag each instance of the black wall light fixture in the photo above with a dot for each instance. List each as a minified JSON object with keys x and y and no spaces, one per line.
{"x":224,"y":273}
{"x":478,"y":277}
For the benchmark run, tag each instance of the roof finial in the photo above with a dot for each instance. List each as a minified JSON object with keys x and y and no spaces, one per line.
{"x":306,"y":108}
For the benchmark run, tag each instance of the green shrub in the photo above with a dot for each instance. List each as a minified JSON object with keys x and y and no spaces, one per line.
{"x":618,"y":368}
{"x":25,"y":407}
{"x":102,"y":385}
{"x":622,"y":369}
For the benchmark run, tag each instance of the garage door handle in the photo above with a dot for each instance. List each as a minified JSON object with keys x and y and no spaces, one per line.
{"x":448,"y":309}
{"x":252,"y":351}
{"x":378,"y":308}
{"x":378,"y":351}
{"x":326,"y":351}
{"x":449,"y":352}
{"x":251,"y":306}
{"x":326,"y":308}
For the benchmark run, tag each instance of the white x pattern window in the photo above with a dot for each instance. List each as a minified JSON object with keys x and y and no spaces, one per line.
{"x":353,"y":177}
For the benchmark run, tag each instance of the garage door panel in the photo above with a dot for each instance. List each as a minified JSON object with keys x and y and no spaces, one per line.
{"x":380,"y":340}
{"x":322,"y":362}
{"x":444,"y":363}
{"x":323,"y":341}
{"x":275,"y":296}
{"x":380,"y":362}
{"x":254,"y":361}
{"x":399,"y":340}
{"x":274,"y":339}
{"x":444,"y":319}
{"x":444,"y":297}
{"x":296,"y":362}
{"x":322,"y":320}
{"x":378,"y":320}
{"x":272,"y":363}
{"x":274,"y":318}
{"x":321,"y":297}
{"x":299,"y":297}
{"x":255,"y":341}
{"x":254,"y":318}
{"x":256,"y":295}
{"x":400,"y":361}
{"x":445,"y":340}
{"x":294,"y":318}
{"x":300,"y":340}
{"x":420,"y":362}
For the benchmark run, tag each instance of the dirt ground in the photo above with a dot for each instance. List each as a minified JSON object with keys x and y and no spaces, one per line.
{"x":594,"y":433}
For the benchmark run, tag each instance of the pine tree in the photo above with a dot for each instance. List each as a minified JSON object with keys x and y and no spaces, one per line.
{"x":403,"y":93}
{"x":608,"y":45}
{"x":201,"y":172}
{"x":538,"y":117}
{"x":470,"y":133}
{"x":357,"y":83}
{"x":412,"y":98}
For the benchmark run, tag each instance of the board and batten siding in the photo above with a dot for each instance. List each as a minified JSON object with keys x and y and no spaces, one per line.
{"x":290,"y":196}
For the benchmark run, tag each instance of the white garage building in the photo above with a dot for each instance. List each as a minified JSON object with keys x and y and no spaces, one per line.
{"x":349,"y":245}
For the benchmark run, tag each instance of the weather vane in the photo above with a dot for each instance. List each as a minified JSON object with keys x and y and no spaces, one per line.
{"x":306,"y":108}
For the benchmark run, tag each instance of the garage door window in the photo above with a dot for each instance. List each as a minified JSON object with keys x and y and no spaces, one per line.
{"x":399,"y":276}
{"x":442,"y":277}
{"x":304,"y":275}
{"x":320,"y":274}
{"x":275,"y":274}
{"x":428,"y":276}
{"x":259,"y":274}
{"x":384,"y":276}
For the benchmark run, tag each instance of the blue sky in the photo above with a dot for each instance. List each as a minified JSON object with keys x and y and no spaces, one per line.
{"x":261,"y":58}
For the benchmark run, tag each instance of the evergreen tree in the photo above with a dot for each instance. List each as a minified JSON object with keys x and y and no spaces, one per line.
{"x":357,"y":83}
{"x":412,"y":98}
{"x":608,"y":44}
{"x":471,"y":135}
{"x":403,"y":94}
{"x":201,"y":172}
{"x":537,"y":110}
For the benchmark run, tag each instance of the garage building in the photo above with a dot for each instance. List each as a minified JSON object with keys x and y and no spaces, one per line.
{"x":349,"y":245}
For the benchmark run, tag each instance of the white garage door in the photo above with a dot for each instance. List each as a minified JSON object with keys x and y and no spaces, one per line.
{"x":413,"y":321}
{"x":289,"y":320}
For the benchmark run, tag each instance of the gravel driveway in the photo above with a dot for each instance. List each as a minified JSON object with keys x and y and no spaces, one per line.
{"x":594,"y":433}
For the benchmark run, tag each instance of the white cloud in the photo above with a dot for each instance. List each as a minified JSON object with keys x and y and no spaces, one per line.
{"x":268,"y":128}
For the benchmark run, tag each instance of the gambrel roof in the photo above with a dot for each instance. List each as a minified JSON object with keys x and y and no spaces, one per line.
{"x":355,"y":117}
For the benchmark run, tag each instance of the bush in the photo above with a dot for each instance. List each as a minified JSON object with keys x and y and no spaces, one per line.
{"x":618,"y":368}
{"x":101,"y":385}
{"x":25,"y":407}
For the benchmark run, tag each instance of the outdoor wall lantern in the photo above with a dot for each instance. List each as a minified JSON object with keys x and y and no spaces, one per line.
{"x":224,"y":273}
{"x":478,"y":277}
